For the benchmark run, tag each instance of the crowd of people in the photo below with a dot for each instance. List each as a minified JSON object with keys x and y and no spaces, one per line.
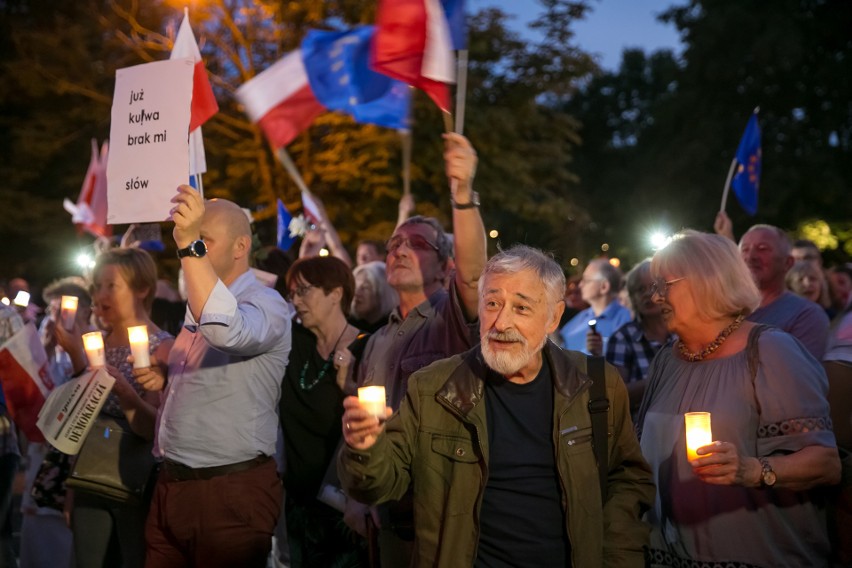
{"x":530,"y":420}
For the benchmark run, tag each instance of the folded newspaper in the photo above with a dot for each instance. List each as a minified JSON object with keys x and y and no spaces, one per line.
{"x":70,"y":410}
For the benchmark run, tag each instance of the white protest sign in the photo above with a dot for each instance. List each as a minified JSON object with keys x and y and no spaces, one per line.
{"x":149,"y":144}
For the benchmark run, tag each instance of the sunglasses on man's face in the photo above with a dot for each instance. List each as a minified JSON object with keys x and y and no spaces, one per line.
{"x":414,"y":242}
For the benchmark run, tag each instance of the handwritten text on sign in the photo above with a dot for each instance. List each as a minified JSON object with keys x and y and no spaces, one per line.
{"x":149,"y":149}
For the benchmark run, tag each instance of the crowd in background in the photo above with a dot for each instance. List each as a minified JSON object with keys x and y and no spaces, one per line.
{"x":752,"y":331}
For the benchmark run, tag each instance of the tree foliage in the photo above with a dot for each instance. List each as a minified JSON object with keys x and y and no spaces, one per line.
{"x":660,"y":133}
{"x":56,"y":94}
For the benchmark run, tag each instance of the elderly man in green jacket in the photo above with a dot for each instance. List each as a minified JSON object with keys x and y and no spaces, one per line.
{"x":497,"y":442}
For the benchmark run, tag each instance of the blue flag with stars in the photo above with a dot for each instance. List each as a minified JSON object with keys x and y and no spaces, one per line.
{"x":285,"y":241}
{"x":746,"y":180}
{"x":338,"y":68}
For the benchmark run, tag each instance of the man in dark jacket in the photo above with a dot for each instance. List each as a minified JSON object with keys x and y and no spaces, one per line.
{"x":497,"y":442}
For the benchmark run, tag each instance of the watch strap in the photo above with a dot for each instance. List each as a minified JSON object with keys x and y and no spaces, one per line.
{"x":474,"y":202}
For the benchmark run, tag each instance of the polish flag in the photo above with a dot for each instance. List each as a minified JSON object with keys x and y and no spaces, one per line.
{"x":413,"y":44}
{"x":280,"y":100}
{"x":26,"y":379}
{"x":90,"y":212}
{"x":204,"y":103}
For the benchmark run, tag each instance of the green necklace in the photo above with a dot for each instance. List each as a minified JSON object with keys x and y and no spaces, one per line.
{"x":323,"y":370}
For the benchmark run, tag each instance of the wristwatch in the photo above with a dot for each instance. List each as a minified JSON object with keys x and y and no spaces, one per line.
{"x":196,"y":249}
{"x":767,"y":475}
{"x":474,"y":202}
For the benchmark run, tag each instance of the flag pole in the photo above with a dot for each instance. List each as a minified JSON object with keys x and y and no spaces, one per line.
{"x":287,"y":162}
{"x":406,"y":161}
{"x":461,"y":90}
{"x":728,"y":183}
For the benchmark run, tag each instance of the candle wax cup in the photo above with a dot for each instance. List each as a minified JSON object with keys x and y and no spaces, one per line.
{"x":373,"y":400}
{"x":138,"y":336}
{"x":68,"y":311}
{"x":93,"y":343}
{"x":698,"y":432}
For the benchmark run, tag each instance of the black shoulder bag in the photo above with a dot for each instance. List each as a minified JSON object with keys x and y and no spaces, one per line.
{"x":598,"y":409}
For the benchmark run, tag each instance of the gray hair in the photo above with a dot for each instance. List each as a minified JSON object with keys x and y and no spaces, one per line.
{"x":609,"y":273}
{"x":721,"y":283}
{"x":375,"y":273}
{"x":634,"y":282}
{"x":523,"y":257}
{"x":785,"y":245}
{"x":443,"y":241}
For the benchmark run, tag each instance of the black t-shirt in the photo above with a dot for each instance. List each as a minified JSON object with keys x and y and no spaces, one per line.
{"x":522,"y":522}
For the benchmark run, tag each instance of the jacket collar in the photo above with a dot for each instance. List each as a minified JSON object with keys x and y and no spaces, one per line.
{"x":465,"y":388}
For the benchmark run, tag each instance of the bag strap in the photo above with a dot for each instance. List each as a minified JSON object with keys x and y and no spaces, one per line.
{"x":598,"y":409}
{"x":752,"y":349}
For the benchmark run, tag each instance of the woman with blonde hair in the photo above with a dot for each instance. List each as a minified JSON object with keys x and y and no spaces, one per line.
{"x":124,"y":281}
{"x":748,"y":498}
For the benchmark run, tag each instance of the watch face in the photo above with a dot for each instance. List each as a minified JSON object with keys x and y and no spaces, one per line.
{"x":198,"y":248}
{"x":769,"y":478}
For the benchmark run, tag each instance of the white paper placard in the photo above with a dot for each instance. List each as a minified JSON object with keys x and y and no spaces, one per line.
{"x":149,"y":145}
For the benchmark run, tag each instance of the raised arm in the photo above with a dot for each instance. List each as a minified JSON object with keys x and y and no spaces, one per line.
{"x":468,"y":230}
{"x":199,"y":275}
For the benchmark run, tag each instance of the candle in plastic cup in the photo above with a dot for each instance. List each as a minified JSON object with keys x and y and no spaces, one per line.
{"x":22,"y":299}
{"x":373,"y":400}
{"x":138,"y":336}
{"x":698,"y":432}
{"x":68,"y":311}
{"x":93,"y":343}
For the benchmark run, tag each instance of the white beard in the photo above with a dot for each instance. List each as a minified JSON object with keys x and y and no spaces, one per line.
{"x":504,"y":362}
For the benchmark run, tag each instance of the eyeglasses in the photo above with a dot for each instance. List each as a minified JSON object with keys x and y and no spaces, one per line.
{"x":661,"y":287}
{"x":299,"y":291}
{"x":414,"y":242}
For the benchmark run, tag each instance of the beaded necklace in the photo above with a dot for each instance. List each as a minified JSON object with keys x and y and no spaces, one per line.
{"x":713,"y":346}
{"x":325,"y":366}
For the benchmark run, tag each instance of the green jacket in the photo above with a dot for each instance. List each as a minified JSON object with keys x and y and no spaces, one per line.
{"x":438,"y":442}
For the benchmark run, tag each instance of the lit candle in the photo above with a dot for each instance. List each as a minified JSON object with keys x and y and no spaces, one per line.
{"x":373,"y":400}
{"x":68,"y":311}
{"x":698,"y":432}
{"x":138,"y":336}
{"x":93,"y":343}
{"x":22,"y":299}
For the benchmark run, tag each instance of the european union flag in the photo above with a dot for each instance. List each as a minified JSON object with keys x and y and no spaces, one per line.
{"x":746,"y":180}
{"x":285,"y":241}
{"x":337,"y":64}
{"x":454,"y":11}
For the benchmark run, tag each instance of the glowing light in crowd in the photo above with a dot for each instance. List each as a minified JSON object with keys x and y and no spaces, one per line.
{"x":575,"y":261}
{"x":5,"y":301}
{"x":605,"y":247}
{"x":615,"y":261}
{"x":323,"y":252}
{"x":659,"y":240}
{"x":494,"y":233}
{"x":85,"y":260}
{"x":22,"y":299}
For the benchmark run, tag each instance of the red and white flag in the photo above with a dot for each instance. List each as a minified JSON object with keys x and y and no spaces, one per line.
{"x":413,"y":44}
{"x":311,"y":209}
{"x":204,"y":103}
{"x":280,"y":100}
{"x":90,"y":211}
{"x":26,"y":379}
